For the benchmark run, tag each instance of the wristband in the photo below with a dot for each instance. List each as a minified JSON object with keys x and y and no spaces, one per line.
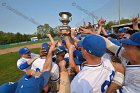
{"x":118,"y":78}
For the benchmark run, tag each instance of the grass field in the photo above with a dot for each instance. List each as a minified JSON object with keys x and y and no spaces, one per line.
{"x":16,"y":45}
{"x":8,"y":68}
{"x":28,"y":43}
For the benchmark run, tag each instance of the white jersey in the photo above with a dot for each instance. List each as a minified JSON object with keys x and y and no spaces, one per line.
{"x":23,"y":61}
{"x":104,"y":57}
{"x":39,"y":63}
{"x":93,"y":79}
{"x":132,"y":76}
{"x":118,"y":53}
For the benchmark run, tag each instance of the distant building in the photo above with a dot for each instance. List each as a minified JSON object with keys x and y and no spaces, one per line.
{"x":34,"y":39}
{"x":115,"y":28}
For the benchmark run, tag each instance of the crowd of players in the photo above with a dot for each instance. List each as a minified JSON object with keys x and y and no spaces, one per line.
{"x":85,"y":60}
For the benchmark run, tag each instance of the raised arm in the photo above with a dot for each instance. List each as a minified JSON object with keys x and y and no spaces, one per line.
{"x":110,"y":46}
{"x":71,"y":59}
{"x":101,"y":24}
{"x":48,"y":63}
{"x":68,"y":42}
{"x":118,"y":79}
{"x":51,"y":39}
{"x":64,"y":78}
{"x":135,"y":22}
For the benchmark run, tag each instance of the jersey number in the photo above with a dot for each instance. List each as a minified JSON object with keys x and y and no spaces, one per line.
{"x":107,"y":82}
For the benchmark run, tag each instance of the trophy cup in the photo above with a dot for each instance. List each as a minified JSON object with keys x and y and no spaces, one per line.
{"x":65,"y":19}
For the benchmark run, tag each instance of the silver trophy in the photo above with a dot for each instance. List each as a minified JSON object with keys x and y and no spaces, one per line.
{"x":65,"y":19}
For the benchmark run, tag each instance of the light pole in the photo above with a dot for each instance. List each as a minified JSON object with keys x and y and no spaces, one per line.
{"x":119,"y":12}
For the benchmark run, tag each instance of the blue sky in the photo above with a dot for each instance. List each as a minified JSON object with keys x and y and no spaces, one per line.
{"x":18,"y":15}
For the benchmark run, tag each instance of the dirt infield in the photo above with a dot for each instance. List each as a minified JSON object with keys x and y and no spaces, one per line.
{"x":15,"y":49}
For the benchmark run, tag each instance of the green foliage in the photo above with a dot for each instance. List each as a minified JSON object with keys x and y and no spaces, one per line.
{"x":8,"y":38}
{"x":42,"y":30}
{"x":124,"y":21}
{"x":111,"y":23}
{"x":8,"y":67}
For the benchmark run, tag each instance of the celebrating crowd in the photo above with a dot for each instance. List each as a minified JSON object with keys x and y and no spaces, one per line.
{"x":85,"y":60}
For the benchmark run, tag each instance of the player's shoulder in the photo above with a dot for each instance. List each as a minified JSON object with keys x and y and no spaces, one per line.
{"x":39,"y":61}
{"x":34,"y":55}
{"x":21,"y":60}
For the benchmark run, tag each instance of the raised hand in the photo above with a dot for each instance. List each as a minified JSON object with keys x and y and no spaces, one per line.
{"x":65,"y":32}
{"x":101,"y":22}
{"x":135,"y":20}
{"x":72,"y":48}
{"x":48,"y":35}
{"x":85,"y":31}
{"x":72,"y":33}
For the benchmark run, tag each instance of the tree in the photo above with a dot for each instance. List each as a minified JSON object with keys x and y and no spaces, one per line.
{"x":56,"y":30}
{"x":109,"y":24}
{"x":42,"y":30}
{"x":7,"y":38}
{"x":124,"y":21}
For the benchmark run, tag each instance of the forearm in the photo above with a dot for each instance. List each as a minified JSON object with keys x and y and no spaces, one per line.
{"x":64,"y":82}
{"x":99,"y":30}
{"x":103,"y":31}
{"x":48,"y":63}
{"x":72,"y":63}
{"x":113,"y":87}
{"x":110,"y":46}
{"x":135,"y":27}
{"x":68,"y":44}
{"x":51,"y":39}
{"x":31,"y":61}
{"x":118,"y":80}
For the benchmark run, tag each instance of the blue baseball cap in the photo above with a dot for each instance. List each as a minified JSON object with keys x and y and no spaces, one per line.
{"x":60,"y":49}
{"x":133,"y":40}
{"x":123,"y":30}
{"x":63,"y":42}
{"x":46,"y":46}
{"x":115,"y":41}
{"x":94,"y":44}
{"x":24,"y":50}
{"x":9,"y":87}
{"x":78,"y":57}
{"x":78,"y":37}
{"x":33,"y":85}
{"x":79,"y":43}
{"x":108,"y":33}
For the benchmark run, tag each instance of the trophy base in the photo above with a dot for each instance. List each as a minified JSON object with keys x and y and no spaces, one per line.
{"x":65,"y":27}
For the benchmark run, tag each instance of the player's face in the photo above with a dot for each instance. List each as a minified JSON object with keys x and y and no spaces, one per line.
{"x":43,"y":52}
{"x":130,"y":52}
{"x":27,"y":55}
{"x":120,"y":35}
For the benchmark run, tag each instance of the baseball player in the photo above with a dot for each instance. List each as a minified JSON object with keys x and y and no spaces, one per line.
{"x":96,"y":73}
{"x":129,"y":55}
{"x":39,"y":63}
{"x":27,"y":58}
